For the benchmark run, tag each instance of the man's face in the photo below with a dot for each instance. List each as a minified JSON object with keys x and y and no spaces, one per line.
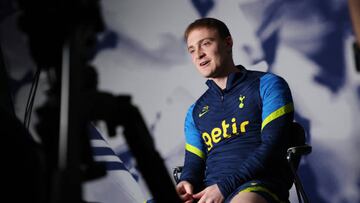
{"x":209,"y":52}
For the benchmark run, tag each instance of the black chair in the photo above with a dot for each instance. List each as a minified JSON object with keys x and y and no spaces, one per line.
{"x":298,"y":148}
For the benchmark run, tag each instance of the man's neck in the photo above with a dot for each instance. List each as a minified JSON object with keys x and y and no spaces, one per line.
{"x":222,"y":80}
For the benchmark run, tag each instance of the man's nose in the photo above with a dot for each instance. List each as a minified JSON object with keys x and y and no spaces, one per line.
{"x":200,"y":54}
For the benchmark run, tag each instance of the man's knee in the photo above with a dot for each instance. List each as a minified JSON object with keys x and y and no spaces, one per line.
{"x":248,"y":197}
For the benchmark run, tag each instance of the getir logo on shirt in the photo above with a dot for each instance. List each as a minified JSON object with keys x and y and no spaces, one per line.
{"x":217,"y":134}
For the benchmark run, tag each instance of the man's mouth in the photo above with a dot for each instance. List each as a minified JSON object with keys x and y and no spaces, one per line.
{"x":204,"y":63}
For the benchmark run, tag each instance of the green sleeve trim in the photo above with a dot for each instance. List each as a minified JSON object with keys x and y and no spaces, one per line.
{"x":277,"y":113}
{"x":195,"y":150}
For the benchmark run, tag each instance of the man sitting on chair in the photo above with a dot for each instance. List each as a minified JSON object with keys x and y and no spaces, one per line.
{"x":235,"y":132}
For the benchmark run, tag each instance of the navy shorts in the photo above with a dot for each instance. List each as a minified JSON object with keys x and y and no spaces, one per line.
{"x":267,"y":190}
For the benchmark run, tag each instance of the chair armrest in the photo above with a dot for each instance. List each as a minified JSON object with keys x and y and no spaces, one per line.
{"x":299,"y":151}
{"x":176,"y":173}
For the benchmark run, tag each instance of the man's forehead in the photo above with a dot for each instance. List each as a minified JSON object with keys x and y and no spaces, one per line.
{"x":198,"y":34}
{"x":203,"y":30}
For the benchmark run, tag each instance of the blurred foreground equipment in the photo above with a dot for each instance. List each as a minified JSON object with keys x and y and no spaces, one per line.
{"x":62,"y":36}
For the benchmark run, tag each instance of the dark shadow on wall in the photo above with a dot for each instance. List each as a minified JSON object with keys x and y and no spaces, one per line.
{"x":269,"y":47}
{"x":307,"y":175}
{"x":203,"y":6}
{"x":109,"y":40}
{"x":330,"y":56}
{"x":308,"y":178}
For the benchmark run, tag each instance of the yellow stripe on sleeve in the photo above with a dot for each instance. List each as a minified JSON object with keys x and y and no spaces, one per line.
{"x":276,"y":114}
{"x":195,"y":150}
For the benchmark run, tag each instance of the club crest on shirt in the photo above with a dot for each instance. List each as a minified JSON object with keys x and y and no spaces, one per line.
{"x":241,"y":99}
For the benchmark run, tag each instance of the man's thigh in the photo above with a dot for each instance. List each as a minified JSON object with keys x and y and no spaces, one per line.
{"x":248,"y":197}
{"x":257,"y":191}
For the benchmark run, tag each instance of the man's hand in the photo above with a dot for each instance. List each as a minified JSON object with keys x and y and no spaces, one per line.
{"x":210,"y":194}
{"x":185,"y":191}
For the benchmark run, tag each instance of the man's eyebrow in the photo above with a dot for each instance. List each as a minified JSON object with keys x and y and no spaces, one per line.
{"x":200,"y":41}
{"x":207,"y":38}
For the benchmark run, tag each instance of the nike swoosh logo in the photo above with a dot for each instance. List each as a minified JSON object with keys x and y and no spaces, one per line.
{"x":202,"y":113}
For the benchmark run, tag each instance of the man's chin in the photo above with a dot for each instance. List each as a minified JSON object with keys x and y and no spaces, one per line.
{"x":207,"y":76}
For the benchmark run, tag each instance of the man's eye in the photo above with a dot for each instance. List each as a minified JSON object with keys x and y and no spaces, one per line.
{"x":191,"y":51}
{"x":206,"y":43}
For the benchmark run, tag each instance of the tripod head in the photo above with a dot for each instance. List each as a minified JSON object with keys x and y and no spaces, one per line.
{"x":50,"y":24}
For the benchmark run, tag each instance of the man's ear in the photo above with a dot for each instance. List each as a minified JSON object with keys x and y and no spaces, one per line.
{"x":229,"y":41}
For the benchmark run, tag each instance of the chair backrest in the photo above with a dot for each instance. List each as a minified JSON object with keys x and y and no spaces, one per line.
{"x":296,"y":135}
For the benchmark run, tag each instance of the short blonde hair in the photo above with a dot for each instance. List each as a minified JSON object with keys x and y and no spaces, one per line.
{"x":210,"y":23}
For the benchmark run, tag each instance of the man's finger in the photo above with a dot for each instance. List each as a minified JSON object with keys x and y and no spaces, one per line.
{"x":186,"y":197}
{"x":188,"y":188}
{"x":199,"y":195}
{"x":180,"y":190}
{"x":202,"y":200}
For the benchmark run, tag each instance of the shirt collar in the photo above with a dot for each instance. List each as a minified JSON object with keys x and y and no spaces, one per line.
{"x":233,"y":79}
